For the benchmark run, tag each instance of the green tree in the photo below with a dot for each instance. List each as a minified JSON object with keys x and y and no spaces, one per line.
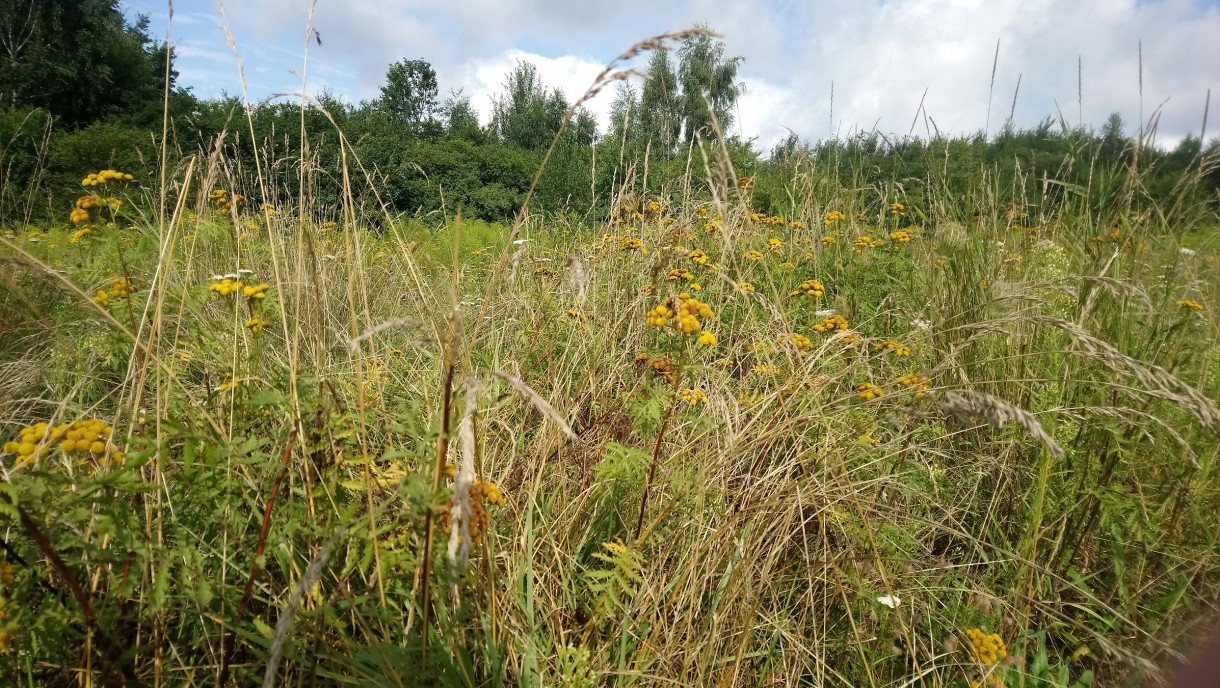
{"x":660,"y":118}
{"x":78,"y":59}
{"x":409,"y":93}
{"x":460,"y":119}
{"x":707,"y":77}
{"x":526,"y":115}
{"x":624,"y":114}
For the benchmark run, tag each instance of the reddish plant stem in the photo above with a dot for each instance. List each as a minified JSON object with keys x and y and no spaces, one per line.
{"x":231,"y":638}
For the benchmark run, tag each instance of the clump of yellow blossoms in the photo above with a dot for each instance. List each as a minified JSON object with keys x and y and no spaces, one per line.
{"x":894,"y":346}
{"x":1189,"y":303}
{"x":851,"y":338}
{"x":795,"y":339}
{"x":80,"y":439}
{"x":256,"y":324}
{"x":699,"y":257}
{"x":687,"y":318}
{"x":754,"y":255}
{"x":809,"y":287}
{"x":224,"y":202}
{"x":832,"y":217}
{"x":105,"y":177}
{"x":79,"y":234}
{"x":832,"y":323}
{"x":679,"y":273}
{"x":901,"y":236}
{"x":868,"y":391}
{"x":898,"y":209}
{"x":87,"y":208}
{"x":745,"y":182}
{"x":987,"y":648}
{"x":120,"y":287}
{"x":226,"y":286}
{"x":746,"y":286}
{"x":482,"y":493}
{"x":991,"y":681}
{"x":917,"y":383}
{"x":829,"y":239}
{"x":628,"y":244}
{"x":694,"y":397}
{"x":9,"y":628}
{"x":865,"y":241}
{"x":256,"y":291}
{"x":775,"y":245}
{"x":797,"y":224}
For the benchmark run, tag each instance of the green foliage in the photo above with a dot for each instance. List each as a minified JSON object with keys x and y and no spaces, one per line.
{"x":409,"y":94}
{"x":80,"y":61}
{"x":707,"y":78}
{"x":613,"y":585}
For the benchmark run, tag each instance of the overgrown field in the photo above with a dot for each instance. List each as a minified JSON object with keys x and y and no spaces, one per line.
{"x":877,"y":441}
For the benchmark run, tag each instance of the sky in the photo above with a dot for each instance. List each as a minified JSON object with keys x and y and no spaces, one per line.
{"x":818,"y":68}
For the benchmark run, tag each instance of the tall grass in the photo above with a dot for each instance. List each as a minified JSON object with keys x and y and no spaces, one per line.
{"x":280,"y":510}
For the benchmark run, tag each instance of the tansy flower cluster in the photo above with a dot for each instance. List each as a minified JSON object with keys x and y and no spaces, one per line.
{"x":225,"y":203}
{"x":775,"y":245}
{"x":809,"y":287}
{"x":87,"y":209}
{"x":796,"y":340}
{"x":868,"y":391}
{"x":687,"y":319}
{"x":754,"y":255}
{"x":745,"y":182}
{"x":679,"y":273}
{"x":901,"y":236}
{"x":829,"y":239}
{"x":226,"y":286}
{"x":865,"y":241}
{"x":482,"y":493}
{"x":105,"y":177}
{"x":120,"y":287}
{"x":629,"y":243}
{"x":797,"y":224}
{"x":893,"y":346}
{"x":255,"y":291}
{"x":80,"y":439}
{"x":832,"y":217}
{"x":987,"y":648}
{"x":746,"y":287}
{"x":699,"y":257}
{"x":898,"y":209}
{"x":694,"y":397}
{"x":1189,"y":303}
{"x":256,"y":324}
{"x":9,"y":628}
{"x":921,"y":385}
{"x":832,"y":323}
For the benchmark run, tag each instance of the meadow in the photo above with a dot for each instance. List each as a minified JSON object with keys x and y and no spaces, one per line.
{"x":875,"y":438}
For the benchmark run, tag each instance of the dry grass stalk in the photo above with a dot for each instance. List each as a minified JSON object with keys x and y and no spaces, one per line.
{"x":544,"y":407}
{"x":354,"y":344}
{"x":283,"y":628}
{"x":967,"y":406}
{"x":459,"y":513}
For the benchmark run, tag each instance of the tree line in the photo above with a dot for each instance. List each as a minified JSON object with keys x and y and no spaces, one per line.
{"x":82,"y":88}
